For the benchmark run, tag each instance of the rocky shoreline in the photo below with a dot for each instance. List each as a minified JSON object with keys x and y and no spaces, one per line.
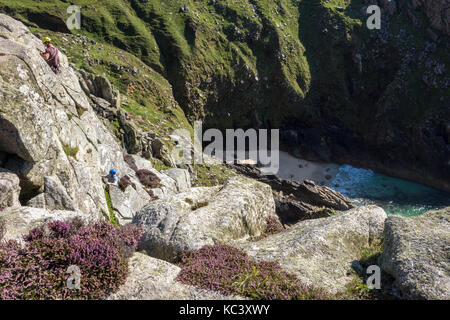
{"x":298,"y":201}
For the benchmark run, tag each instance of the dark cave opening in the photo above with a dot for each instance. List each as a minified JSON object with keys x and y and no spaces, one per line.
{"x":20,"y":167}
{"x":15,"y":158}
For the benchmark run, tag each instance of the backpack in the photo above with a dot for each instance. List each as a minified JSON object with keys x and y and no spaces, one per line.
{"x":53,"y":61}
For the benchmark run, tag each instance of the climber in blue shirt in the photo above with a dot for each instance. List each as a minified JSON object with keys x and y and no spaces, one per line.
{"x":111,"y":178}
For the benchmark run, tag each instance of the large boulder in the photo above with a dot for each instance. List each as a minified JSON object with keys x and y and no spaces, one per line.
{"x":9,"y":189}
{"x":153,"y":279}
{"x":126,"y":203}
{"x":320,"y":252}
{"x":20,"y":220}
{"x":205,"y":216}
{"x":417,"y":254}
{"x":48,"y":128}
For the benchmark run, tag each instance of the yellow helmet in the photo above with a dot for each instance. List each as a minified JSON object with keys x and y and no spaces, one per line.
{"x":46,"y":39}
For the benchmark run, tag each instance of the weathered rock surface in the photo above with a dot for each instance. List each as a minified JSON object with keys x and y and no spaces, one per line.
{"x":142,"y":163}
{"x":417,"y":254}
{"x":56,"y":197}
{"x":205,"y":216}
{"x":20,"y":220}
{"x":9,"y":189}
{"x":320,"y":251}
{"x":298,"y":201}
{"x":167,"y":186}
{"x":48,"y":128}
{"x":127,"y":203}
{"x":153,"y":279}
{"x":181,"y":176}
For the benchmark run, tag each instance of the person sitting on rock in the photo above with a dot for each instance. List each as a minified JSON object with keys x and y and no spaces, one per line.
{"x":51,"y":55}
{"x":111,"y":178}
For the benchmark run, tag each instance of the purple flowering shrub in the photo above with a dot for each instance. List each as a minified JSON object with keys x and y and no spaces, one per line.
{"x":273,"y":226}
{"x":130,"y":161}
{"x":38,"y":269}
{"x":231,"y":271}
{"x":124,"y":182}
{"x":148,"y":178}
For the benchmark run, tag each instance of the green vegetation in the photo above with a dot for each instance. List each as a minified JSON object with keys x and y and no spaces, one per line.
{"x":357,"y":288}
{"x":211,"y":175}
{"x":147,"y":96}
{"x":199,"y":205}
{"x":112,"y":217}
{"x":158,"y":164}
{"x":325,"y":212}
{"x":69,"y":151}
{"x":372,"y":252}
{"x":234,"y":62}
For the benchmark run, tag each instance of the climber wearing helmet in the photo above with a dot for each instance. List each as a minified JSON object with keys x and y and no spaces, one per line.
{"x":51,"y":55}
{"x":111,"y":178}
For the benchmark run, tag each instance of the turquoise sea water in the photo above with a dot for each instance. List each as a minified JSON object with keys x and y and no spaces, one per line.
{"x":395,"y":196}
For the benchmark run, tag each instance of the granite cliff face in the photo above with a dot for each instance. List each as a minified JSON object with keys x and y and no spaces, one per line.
{"x":50,"y":136}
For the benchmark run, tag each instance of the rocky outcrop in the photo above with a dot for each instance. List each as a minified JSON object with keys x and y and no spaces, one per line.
{"x":20,"y":220}
{"x":56,"y":197}
{"x":165,"y":184}
{"x":9,"y":189}
{"x":416,"y":253}
{"x":98,"y":86}
{"x":153,"y":279}
{"x":128,"y":200}
{"x":205,"y":216}
{"x":181,"y":176}
{"x":298,"y":201}
{"x":126,"y":203}
{"x":49,"y":134}
{"x":320,"y":251}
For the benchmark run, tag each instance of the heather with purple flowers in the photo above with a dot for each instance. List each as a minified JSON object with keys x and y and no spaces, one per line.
{"x":148,"y":178}
{"x":38,"y":269}
{"x":231,"y":271}
{"x":60,"y":228}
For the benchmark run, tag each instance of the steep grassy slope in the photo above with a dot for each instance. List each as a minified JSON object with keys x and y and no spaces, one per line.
{"x":227,"y":60}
